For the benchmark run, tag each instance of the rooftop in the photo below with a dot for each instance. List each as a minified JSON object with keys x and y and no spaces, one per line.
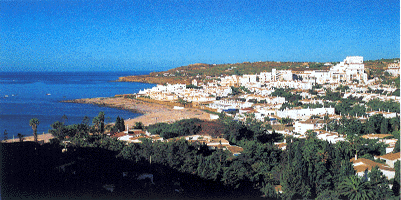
{"x":375,"y":136}
{"x":391,"y":156}
{"x":361,"y":164}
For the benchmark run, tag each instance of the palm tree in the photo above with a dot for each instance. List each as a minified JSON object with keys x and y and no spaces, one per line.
{"x":21,"y":137}
{"x":354,"y":188}
{"x":34,"y":124}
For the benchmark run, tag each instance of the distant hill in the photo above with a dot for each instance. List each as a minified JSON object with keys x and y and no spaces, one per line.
{"x":206,"y":72}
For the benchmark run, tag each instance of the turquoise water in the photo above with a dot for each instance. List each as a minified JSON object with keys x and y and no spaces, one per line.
{"x":25,"y":95}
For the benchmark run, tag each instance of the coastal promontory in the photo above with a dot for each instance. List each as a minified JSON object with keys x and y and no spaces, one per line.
{"x":209,"y":72}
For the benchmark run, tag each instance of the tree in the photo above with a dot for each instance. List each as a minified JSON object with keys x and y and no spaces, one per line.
{"x":396,"y":182}
{"x":34,"y":122}
{"x":397,"y":147}
{"x":373,"y":125}
{"x":384,"y":126}
{"x":354,"y":188}
{"x":86,"y":121}
{"x":21,"y":137}
{"x":5,"y":135}
{"x":183,"y":102}
{"x":101,"y":119}
{"x":58,"y":130}
{"x":122,"y":124}
{"x":98,"y":123}
{"x":64,"y":118}
{"x":234,"y":90}
{"x":119,"y":125}
{"x":328,"y":195}
{"x":394,"y":125}
{"x":286,"y":121}
{"x":379,"y":183}
{"x":138,"y":125}
{"x":269,"y":191}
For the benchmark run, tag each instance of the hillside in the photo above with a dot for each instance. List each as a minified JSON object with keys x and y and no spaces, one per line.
{"x":206,"y":72}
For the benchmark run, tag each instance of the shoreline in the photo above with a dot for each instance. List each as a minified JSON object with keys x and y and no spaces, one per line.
{"x":151,"y":112}
{"x":45,"y":137}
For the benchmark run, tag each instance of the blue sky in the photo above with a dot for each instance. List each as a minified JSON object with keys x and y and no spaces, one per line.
{"x":124,"y":35}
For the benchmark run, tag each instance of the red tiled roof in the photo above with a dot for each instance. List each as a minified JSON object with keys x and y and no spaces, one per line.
{"x":391,"y":156}
{"x":369,"y":136}
{"x":278,"y":188}
{"x":281,"y":145}
{"x":235,"y":149}
{"x":368,"y":164}
{"x":116,"y":135}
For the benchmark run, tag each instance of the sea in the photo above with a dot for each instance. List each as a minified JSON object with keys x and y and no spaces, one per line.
{"x":27,"y":95}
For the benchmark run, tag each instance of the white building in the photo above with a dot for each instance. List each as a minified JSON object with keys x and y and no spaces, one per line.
{"x":274,"y":75}
{"x":229,"y":81}
{"x":302,"y":127}
{"x":332,"y":137}
{"x":298,"y":113}
{"x":363,"y":166}
{"x":393,"y":69}
{"x":390,"y":158}
{"x":352,"y":68}
{"x":221,"y":105}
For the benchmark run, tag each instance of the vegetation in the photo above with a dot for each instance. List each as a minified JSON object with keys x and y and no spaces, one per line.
{"x":287,"y":94}
{"x":354,"y":188}
{"x":209,"y":72}
{"x":191,"y":86}
{"x":98,"y":123}
{"x":21,"y":137}
{"x":179,"y":128}
{"x":308,"y":168}
{"x":119,"y":126}
{"x":391,"y":105}
{"x":139,"y":125}
{"x":34,"y":122}
{"x":5,"y":135}
{"x":396,"y":181}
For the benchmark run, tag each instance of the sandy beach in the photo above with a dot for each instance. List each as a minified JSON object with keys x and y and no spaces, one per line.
{"x":46,"y":137}
{"x":152,"y":112}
